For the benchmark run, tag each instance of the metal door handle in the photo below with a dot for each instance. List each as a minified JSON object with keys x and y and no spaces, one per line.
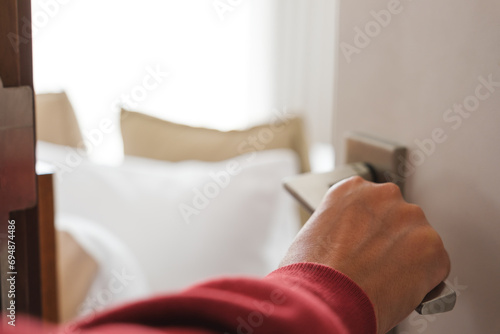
{"x":309,"y":189}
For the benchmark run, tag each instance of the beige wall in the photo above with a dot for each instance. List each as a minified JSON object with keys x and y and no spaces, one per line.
{"x":426,"y":60}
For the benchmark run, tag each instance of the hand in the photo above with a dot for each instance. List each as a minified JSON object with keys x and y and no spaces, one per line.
{"x":381,"y":242}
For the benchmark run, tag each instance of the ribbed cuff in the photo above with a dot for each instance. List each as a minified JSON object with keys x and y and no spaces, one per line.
{"x":346,"y":299}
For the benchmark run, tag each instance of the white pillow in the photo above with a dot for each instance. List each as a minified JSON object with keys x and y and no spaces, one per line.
{"x":178,"y":235}
{"x":64,"y":159}
{"x":120,"y":277}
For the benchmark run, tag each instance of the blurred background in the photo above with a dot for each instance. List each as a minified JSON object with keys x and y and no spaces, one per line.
{"x":230,"y":64}
{"x":425,"y":74}
{"x":167,"y":211}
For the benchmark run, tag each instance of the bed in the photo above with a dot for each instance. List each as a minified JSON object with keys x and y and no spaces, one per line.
{"x":186,"y":204}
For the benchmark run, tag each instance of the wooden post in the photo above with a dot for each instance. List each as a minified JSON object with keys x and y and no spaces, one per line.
{"x":48,"y":271}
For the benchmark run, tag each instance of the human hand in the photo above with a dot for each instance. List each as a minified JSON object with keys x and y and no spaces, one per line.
{"x":380,"y":241}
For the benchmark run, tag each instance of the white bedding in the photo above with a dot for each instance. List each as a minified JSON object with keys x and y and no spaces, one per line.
{"x":119,"y":279}
{"x":245,"y":228}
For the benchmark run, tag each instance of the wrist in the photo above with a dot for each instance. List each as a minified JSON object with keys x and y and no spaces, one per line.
{"x":339,"y":292}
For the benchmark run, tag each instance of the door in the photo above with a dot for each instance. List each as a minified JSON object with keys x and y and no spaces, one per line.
{"x":427,"y":74}
{"x":18,"y":193}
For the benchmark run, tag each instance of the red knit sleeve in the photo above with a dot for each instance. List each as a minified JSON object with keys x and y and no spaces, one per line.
{"x":348,"y":306}
{"x":303,"y":298}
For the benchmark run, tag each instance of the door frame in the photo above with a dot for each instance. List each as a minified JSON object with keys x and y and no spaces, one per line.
{"x":17,"y":135}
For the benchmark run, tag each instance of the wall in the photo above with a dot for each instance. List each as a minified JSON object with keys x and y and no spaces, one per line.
{"x":407,"y":83}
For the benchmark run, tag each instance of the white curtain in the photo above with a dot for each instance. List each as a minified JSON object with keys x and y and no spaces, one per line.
{"x":304,"y":61}
{"x":228,"y":68}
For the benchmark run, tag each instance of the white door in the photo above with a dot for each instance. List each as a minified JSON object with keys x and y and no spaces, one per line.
{"x":426,"y":73}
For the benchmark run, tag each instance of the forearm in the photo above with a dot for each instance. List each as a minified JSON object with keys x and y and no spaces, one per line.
{"x":301,"y":298}
{"x":296,"y":299}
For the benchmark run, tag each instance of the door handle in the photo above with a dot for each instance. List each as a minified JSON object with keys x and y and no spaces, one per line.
{"x":309,"y":190}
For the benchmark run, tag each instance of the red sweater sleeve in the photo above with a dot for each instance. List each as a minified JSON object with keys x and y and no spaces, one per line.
{"x":302,"y":298}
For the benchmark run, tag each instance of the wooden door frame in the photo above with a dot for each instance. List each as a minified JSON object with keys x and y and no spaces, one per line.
{"x":16,"y":69}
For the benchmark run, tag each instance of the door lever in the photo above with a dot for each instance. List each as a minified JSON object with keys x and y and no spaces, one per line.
{"x":309,"y":190}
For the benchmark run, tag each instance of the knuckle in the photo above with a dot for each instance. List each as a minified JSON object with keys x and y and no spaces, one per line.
{"x":446,"y":264}
{"x":415,"y":211}
{"x":431,"y":252}
{"x":346,"y":185}
{"x":355,"y":180}
{"x":437,"y":251}
{"x":390,"y":189}
{"x":432,"y":241}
